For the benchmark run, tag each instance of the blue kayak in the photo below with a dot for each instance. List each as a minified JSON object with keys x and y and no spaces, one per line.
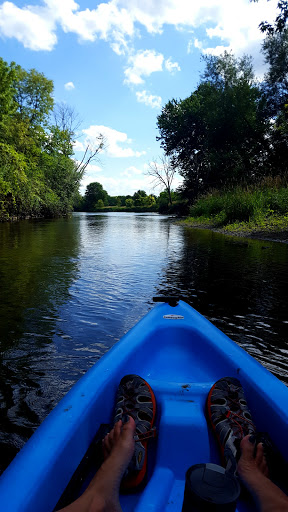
{"x":181,"y":355}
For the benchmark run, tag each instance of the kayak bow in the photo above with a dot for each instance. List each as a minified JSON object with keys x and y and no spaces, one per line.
{"x":181,"y":355}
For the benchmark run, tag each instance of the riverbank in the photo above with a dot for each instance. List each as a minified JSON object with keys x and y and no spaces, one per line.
{"x":274,"y":228}
{"x":254,"y":211}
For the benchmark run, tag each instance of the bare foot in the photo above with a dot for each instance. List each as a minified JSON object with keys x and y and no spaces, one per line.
{"x":102,"y":494}
{"x":118,"y":447}
{"x":119,"y":444}
{"x":249,"y":465}
{"x":253,"y":472}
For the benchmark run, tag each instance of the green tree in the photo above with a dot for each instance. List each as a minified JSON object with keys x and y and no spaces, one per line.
{"x":100,"y":203}
{"x":112,"y":200}
{"x":139,"y":197}
{"x":94,"y":192}
{"x":150,"y":201}
{"x":275,"y":88}
{"x":275,"y":85}
{"x":33,"y":95}
{"x":214,"y":136}
{"x":13,"y":182}
{"x":38,"y":175}
{"x":7,"y":91}
{"x":78,"y":202}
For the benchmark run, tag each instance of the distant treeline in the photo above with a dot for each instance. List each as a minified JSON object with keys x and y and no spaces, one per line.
{"x":233,"y":129}
{"x":38,"y":176}
{"x":96,"y":198}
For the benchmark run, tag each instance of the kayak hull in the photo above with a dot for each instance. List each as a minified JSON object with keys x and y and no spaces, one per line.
{"x":181,"y":355}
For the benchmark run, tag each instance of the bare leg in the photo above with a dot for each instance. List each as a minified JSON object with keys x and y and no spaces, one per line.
{"x":102,"y":494}
{"x":254,"y":474}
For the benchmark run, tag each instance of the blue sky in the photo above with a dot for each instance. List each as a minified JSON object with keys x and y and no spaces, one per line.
{"x":118,"y":62}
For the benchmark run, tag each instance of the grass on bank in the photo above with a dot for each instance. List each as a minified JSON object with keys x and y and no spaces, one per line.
{"x":262,"y":207}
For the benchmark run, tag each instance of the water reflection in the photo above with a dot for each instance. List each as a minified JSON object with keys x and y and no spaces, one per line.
{"x":38,"y":263}
{"x":72,"y":287}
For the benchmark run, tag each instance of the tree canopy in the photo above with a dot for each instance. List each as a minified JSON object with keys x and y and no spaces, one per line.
{"x":95,"y":193}
{"x":231,"y":129}
{"x":213,"y":135}
{"x":38,"y":175}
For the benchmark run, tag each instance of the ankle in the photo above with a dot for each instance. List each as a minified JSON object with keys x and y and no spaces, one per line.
{"x":104,"y":503}
{"x":251,"y":476}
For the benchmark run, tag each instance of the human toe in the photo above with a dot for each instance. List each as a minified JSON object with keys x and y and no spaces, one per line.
{"x":128,"y":427}
{"x":260,"y":459}
{"x":247,"y":448}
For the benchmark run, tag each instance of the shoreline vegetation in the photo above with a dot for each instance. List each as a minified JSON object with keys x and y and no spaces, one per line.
{"x":267,"y":231}
{"x":259,"y":211}
{"x":229,"y":141}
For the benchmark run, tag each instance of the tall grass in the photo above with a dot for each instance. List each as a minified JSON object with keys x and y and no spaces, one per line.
{"x":244,"y":204}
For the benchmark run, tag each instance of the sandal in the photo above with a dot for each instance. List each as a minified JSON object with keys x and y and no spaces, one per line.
{"x":136,"y":398}
{"x":230,"y":418}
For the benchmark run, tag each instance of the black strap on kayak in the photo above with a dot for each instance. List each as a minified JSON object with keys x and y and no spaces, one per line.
{"x":172,"y":300}
{"x":87,"y":468}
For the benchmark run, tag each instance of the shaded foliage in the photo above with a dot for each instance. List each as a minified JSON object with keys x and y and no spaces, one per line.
{"x":280,"y":20}
{"x":275,"y":85}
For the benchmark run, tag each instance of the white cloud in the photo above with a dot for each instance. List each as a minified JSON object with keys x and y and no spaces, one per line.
{"x":142,"y":63}
{"x":69,"y":86}
{"x":92,"y":168}
{"x":125,"y":185}
{"x":78,"y":146}
{"x":131,"y":171}
{"x":236,"y":25}
{"x":113,"y":140}
{"x":118,"y":21}
{"x":34,"y":27}
{"x":172,"y":66}
{"x":198,"y":44}
{"x":218,"y":50}
{"x":149,"y":99}
{"x":108,"y":22}
{"x":190,"y":46}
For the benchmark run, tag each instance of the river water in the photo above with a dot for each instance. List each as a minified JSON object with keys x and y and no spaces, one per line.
{"x":70,"y":288}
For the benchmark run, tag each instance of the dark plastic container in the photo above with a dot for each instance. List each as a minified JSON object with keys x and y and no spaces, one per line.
{"x":210,"y":487}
